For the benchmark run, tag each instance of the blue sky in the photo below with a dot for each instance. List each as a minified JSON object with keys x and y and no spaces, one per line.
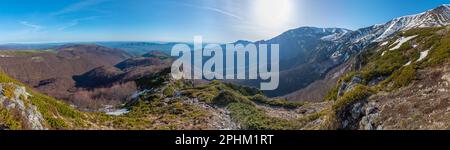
{"x":31,"y":21}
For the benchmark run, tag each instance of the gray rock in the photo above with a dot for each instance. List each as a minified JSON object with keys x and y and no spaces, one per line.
{"x":355,"y":81}
{"x":342,"y":89}
{"x":376,"y":81}
{"x":349,"y":86}
{"x":370,"y":114}
{"x":32,"y":117}
{"x":3,"y":127}
{"x":357,"y":110}
{"x":446,"y":77}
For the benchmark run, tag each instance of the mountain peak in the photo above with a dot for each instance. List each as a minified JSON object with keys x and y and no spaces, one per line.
{"x":444,"y":8}
{"x":245,"y":42}
{"x":439,"y":16}
{"x":317,"y":29}
{"x":445,"y":5}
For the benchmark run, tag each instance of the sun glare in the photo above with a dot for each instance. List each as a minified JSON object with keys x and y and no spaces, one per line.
{"x":272,"y":13}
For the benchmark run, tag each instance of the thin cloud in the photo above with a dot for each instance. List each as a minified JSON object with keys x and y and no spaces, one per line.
{"x":217,"y":10}
{"x":75,"y":22}
{"x":78,"y":6}
{"x":222,"y":12}
{"x":33,"y":26}
{"x":69,"y":25}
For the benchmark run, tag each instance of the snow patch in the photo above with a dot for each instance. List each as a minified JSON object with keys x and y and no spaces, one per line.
{"x":336,"y":55}
{"x":423,"y":55}
{"x":384,"y":43}
{"x":118,"y":112}
{"x":5,"y":56}
{"x":407,"y":64}
{"x":384,"y":52}
{"x":110,"y":110}
{"x":401,"y":41}
{"x":334,"y":36}
{"x":136,"y":94}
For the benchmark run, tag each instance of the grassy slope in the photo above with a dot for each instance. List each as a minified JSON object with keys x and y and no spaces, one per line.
{"x":60,"y":116}
{"x":391,"y":66}
{"x":57,"y":115}
{"x":152,"y":111}
{"x":243,"y":103}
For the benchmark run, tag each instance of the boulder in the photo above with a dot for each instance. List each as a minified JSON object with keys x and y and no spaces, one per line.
{"x":446,"y":77}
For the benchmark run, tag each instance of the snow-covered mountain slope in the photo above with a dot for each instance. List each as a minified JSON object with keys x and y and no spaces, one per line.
{"x":304,"y":40}
{"x":299,"y":47}
{"x":353,"y":42}
{"x":436,"y":17}
{"x":309,"y":53}
{"x":336,"y":35}
{"x":335,"y":50}
{"x":439,"y":16}
{"x":347,"y":42}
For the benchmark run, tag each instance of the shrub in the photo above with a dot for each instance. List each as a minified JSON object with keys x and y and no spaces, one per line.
{"x":56,"y":123}
{"x":226,"y":97}
{"x":169,"y":91}
{"x":50,"y":108}
{"x":440,"y":53}
{"x":276,"y":102}
{"x":246,"y":91}
{"x":332,"y":95}
{"x":8,"y":90}
{"x":9,"y":120}
{"x":399,"y":78}
{"x":348,"y":76}
{"x":404,"y":77}
{"x":421,"y":31}
{"x":384,"y":66}
{"x":358,"y":93}
{"x":252,"y":118}
{"x":154,"y":80}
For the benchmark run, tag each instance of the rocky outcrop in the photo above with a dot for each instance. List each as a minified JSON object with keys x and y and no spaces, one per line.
{"x":349,"y":86}
{"x":351,"y":115}
{"x":446,"y":77}
{"x":370,"y":113}
{"x":422,"y":105}
{"x":15,"y":98}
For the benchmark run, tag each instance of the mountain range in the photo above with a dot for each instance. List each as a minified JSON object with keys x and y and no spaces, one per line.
{"x":387,"y":76}
{"x":337,"y":48}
